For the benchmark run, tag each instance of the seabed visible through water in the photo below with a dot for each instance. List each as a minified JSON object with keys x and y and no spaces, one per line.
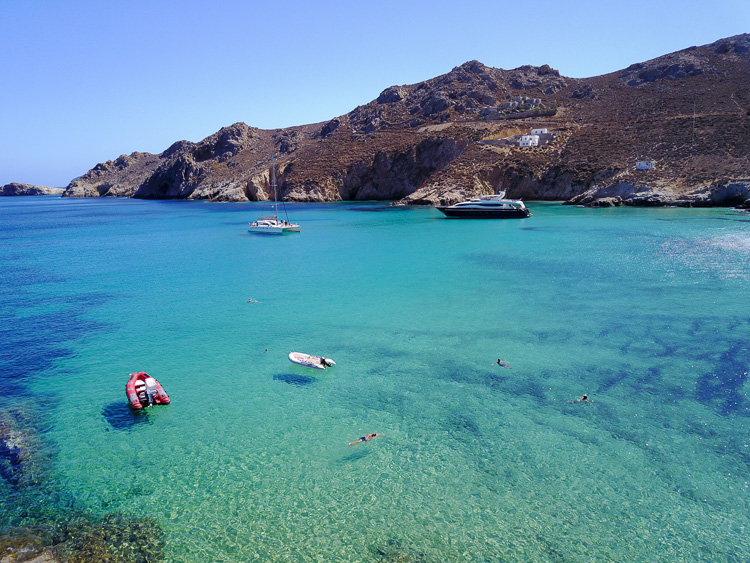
{"x":642,"y":309}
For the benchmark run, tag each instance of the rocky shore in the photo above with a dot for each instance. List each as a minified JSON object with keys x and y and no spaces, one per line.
{"x":15,"y":188}
{"x":730,"y":194}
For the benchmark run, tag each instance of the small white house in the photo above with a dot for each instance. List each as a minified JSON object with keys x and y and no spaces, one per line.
{"x":645,"y":165}
{"x":529,"y":141}
{"x":539,"y":131}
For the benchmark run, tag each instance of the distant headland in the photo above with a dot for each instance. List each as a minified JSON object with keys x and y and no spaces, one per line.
{"x":15,"y":188}
{"x":674,"y":130}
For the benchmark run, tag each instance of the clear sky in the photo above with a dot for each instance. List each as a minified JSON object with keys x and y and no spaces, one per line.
{"x":84,"y":81}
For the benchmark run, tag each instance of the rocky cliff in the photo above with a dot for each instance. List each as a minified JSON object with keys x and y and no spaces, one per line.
{"x":455,"y":136}
{"x":15,"y":188}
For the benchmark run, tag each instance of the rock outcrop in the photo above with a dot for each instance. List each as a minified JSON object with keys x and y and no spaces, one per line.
{"x":15,"y":188}
{"x":732,"y":194}
{"x":455,"y":136}
{"x":117,"y":178}
{"x":22,"y":461}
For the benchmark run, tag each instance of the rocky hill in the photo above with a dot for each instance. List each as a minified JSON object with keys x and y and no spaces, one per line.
{"x":454,"y":136}
{"x":15,"y":188}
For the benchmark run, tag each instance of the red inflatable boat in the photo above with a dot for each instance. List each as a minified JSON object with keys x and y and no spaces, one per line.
{"x":143,"y":391}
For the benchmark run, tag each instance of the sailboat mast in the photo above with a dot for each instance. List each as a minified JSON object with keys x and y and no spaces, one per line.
{"x":275,"y":199}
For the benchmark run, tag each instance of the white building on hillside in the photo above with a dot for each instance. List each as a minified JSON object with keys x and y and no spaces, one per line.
{"x":529,"y":141}
{"x":539,"y":131}
{"x":645,"y":165}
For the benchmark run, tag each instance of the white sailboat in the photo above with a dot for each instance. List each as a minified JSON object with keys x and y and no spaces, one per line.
{"x":272,"y":224}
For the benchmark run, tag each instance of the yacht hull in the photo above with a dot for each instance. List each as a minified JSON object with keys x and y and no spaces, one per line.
{"x":273,"y":227}
{"x":266,"y":230}
{"x":469,"y":213}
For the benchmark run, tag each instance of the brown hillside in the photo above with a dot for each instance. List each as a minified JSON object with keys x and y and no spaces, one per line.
{"x":456,"y":136}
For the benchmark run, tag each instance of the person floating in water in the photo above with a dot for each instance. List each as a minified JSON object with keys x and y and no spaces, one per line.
{"x":251,"y":300}
{"x":364,"y":438}
{"x":502,"y":364}
{"x":584,"y":399}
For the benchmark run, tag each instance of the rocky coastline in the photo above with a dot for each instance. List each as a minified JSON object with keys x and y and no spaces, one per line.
{"x":728,"y":194}
{"x":686,"y":114}
{"x":17,"y":189}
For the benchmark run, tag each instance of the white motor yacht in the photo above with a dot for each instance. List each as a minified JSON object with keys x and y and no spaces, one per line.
{"x":487,"y":207}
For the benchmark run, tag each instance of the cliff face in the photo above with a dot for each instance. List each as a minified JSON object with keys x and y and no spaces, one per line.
{"x":456,"y":136}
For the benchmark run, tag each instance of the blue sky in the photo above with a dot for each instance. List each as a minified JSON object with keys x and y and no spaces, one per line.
{"x":82,"y":81}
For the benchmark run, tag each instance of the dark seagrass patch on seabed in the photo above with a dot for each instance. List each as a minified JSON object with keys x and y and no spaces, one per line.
{"x":33,"y":343}
{"x":611,"y":378}
{"x":461,"y":426}
{"x":459,"y":373}
{"x":733,"y":218}
{"x":529,"y":386}
{"x":724,"y":384}
{"x":16,"y":278}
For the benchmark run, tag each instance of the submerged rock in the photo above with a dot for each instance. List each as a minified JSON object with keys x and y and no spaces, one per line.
{"x":27,"y":545}
{"x":23,"y":462}
{"x":114,"y":538}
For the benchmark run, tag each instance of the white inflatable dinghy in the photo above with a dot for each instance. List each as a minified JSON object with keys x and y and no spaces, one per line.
{"x":315,"y":362}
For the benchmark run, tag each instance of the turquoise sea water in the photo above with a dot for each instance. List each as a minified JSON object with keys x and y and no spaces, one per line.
{"x":646,"y":310}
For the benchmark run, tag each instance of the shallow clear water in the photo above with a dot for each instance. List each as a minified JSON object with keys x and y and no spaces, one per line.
{"x":645,"y":310}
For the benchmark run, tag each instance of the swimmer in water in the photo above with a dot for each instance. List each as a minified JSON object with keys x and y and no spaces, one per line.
{"x":584,"y":399}
{"x":364,"y":438}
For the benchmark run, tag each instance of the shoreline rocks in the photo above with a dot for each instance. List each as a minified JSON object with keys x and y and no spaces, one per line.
{"x":18,"y":189}
{"x":722,"y":194}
